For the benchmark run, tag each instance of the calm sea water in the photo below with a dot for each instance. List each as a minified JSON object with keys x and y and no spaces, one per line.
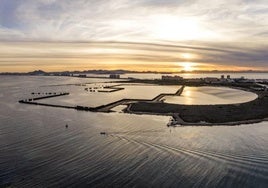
{"x":36,"y":150}
{"x":78,"y":95}
{"x":211,"y":95}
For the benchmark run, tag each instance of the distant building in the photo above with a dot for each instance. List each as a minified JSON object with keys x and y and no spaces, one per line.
{"x":114,"y":76}
{"x":243,"y":80}
{"x":82,"y":75}
{"x":65,"y":74}
{"x":172,"y":78}
{"x":194,"y":80}
{"x":211,"y":80}
{"x":225,"y":80}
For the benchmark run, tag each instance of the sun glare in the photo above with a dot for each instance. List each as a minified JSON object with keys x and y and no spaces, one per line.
{"x":178,"y":28}
{"x":175,"y":28}
{"x":187,"y":66}
{"x":186,"y":56}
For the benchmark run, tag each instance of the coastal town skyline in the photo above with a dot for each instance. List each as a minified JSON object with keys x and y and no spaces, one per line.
{"x":141,"y":35}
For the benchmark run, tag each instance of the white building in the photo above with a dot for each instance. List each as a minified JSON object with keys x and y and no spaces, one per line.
{"x":115,"y":76}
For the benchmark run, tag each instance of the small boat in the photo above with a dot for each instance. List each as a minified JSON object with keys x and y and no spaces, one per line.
{"x":172,"y":122}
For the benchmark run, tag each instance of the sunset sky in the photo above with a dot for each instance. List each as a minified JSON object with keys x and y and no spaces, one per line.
{"x":143,"y":35}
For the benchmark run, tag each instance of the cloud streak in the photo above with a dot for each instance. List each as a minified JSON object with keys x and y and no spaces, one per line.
{"x":218,"y":33}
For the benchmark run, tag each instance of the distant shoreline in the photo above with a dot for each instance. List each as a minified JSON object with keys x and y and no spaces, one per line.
{"x":122,"y":71}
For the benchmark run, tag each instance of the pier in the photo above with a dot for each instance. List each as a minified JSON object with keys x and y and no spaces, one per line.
{"x":44,"y":104}
{"x":31,"y":100}
{"x":160,"y":96}
{"x":50,"y":95}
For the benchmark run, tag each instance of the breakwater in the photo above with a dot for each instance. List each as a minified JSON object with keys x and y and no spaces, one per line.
{"x":108,"y":107}
{"x":44,"y":104}
{"x":160,"y":96}
{"x":105,"y":89}
{"x":102,"y":108}
{"x":50,"y":95}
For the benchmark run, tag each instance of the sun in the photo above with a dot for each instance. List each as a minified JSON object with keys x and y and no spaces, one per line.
{"x":187,"y":66}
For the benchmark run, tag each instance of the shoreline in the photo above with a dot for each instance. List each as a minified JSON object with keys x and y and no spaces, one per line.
{"x":183,"y":123}
{"x":254,"y":111}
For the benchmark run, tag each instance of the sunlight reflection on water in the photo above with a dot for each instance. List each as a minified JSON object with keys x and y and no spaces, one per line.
{"x":37,"y":150}
{"x":211,"y":95}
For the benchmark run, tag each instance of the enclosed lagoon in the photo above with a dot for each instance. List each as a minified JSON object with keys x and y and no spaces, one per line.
{"x":211,"y":95}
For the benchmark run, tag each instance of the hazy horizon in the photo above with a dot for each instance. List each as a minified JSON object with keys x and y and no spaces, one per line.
{"x":137,"y":71}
